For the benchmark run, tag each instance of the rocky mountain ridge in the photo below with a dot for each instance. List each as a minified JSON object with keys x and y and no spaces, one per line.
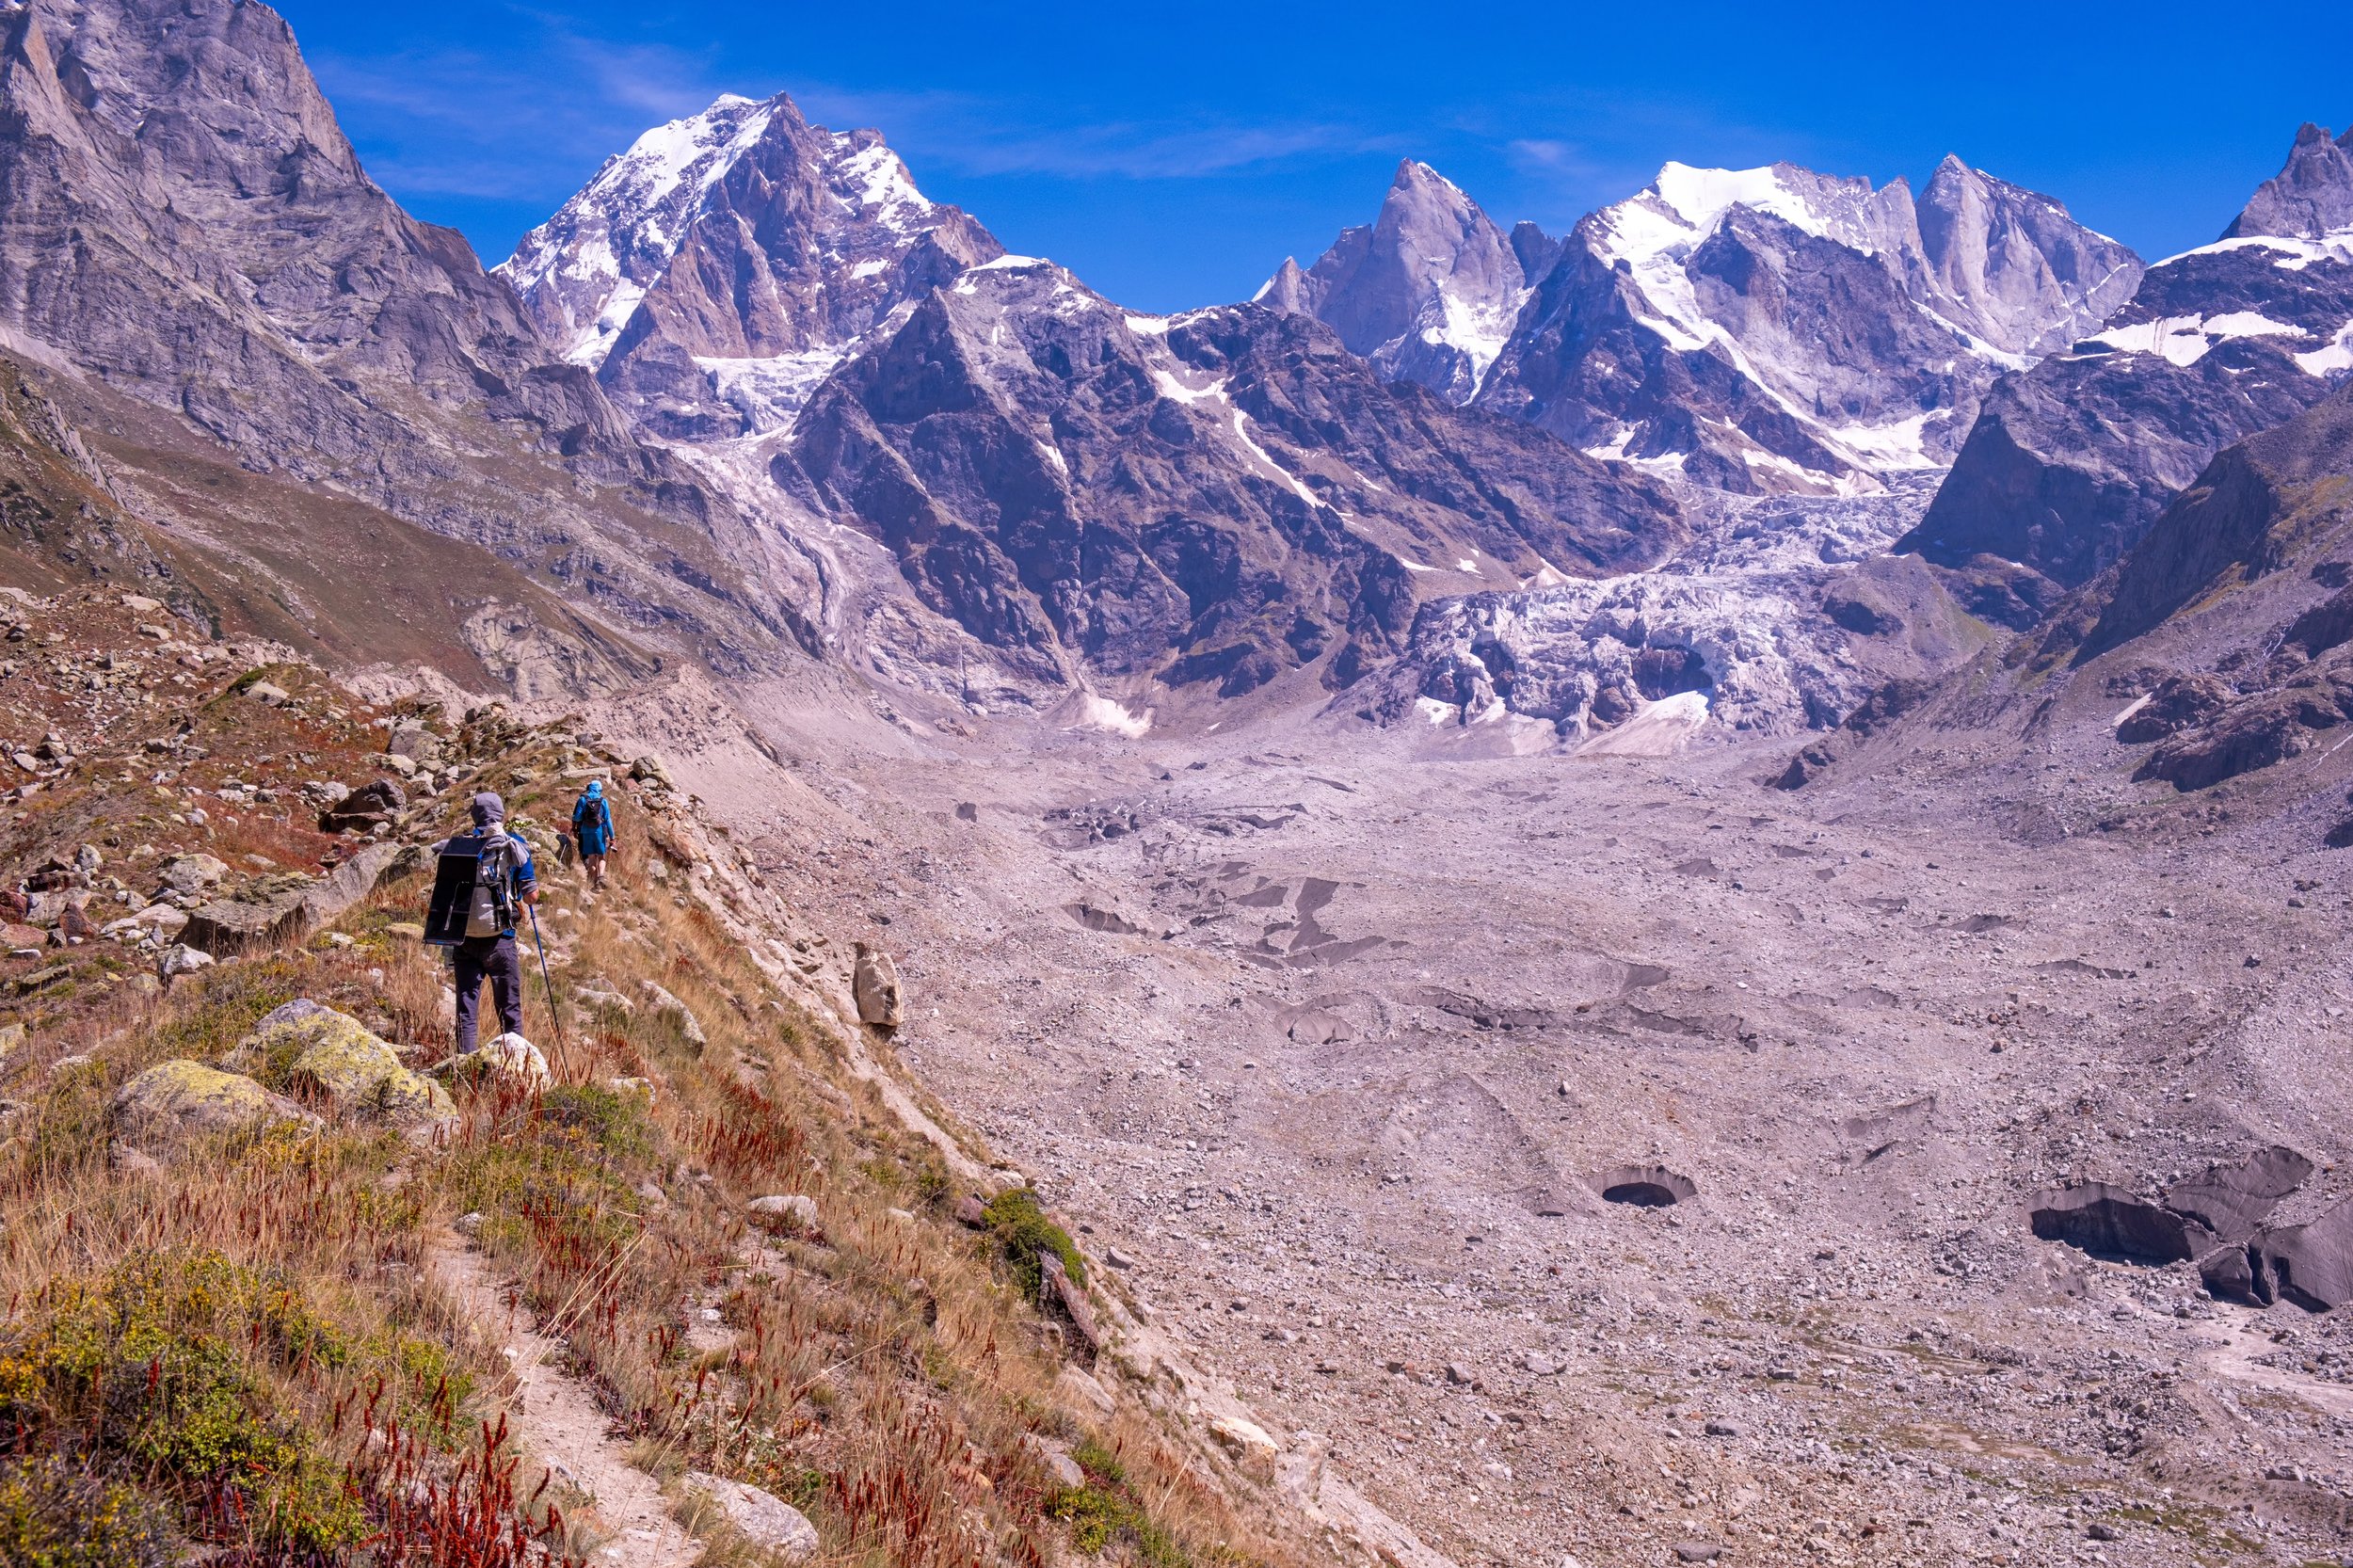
{"x":715,"y":272}
{"x":194,"y":261}
{"x":1429,"y":291}
{"x":1218,"y":497}
{"x":2072,"y":461}
{"x":1775,"y":330}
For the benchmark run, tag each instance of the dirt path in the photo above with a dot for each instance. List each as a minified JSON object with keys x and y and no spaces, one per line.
{"x":560,"y":1425}
{"x":2234,"y":1361}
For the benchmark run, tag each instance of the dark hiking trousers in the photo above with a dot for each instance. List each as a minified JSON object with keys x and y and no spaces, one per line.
{"x":494,"y":959}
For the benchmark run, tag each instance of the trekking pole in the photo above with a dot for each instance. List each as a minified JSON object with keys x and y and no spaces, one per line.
{"x":563,"y":1054}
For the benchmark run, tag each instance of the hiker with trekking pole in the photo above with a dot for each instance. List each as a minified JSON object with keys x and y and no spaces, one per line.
{"x":484,"y":883}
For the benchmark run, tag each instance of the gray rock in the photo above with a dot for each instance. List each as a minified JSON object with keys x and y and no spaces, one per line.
{"x":680,"y":1016}
{"x":875,"y":988}
{"x":2110,"y":1222}
{"x":764,"y":1519}
{"x":193,"y":875}
{"x":1054,"y":1459}
{"x":2311,"y":1265}
{"x":791,"y":1213}
{"x":2233,"y":1200}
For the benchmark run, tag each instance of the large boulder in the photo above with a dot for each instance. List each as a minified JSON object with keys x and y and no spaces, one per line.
{"x":225,"y":927}
{"x":174,"y":1101}
{"x":369,"y":807}
{"x":764,"y":1519}
{"x":193,"y":876}
{"x":2111,"y":1223}
{"x":2179,"y":702}
{"x":875,"y":988}
{"x":338,"y":1057}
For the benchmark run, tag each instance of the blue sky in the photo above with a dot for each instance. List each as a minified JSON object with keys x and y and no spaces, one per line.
{"x":1173,"y":155}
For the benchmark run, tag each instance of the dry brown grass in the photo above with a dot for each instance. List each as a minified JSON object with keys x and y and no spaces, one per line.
{"x":884,"y":1372}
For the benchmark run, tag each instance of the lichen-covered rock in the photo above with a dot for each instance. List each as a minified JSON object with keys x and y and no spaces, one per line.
{"x":340,"y":1058}
{"x":763,"y":1518}
{"x":177,"y":1100}
{"x":875,"y":988}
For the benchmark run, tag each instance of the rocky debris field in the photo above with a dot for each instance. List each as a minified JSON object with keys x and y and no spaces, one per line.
{"x":1620,"y":1160}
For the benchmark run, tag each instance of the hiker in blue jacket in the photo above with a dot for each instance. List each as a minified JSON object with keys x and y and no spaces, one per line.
{"x":592,"y":829}
{"x":488,"y":952}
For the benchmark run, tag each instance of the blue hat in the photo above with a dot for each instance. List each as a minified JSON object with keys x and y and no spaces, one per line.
{"x":596,"y":787}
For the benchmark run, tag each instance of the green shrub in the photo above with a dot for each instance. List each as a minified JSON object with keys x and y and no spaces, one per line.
{"x":56,"y":1516}
{"x":154,"y":1369}
{"x":614,"y":1121}
{"x":1018,"y":1222}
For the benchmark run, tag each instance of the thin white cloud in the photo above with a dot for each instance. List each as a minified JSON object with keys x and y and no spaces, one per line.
{"x":982,"y":136}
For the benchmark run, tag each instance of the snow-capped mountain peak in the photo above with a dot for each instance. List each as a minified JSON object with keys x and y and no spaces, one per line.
{"x":1684,"y":205}
{"x":1429,"y":293}
{"x":595,"y":259}
{"x":1774,"y":329}
{"x":715,"y":272}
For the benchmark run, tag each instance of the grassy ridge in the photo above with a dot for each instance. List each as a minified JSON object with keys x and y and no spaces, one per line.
{"x":244,"y":1344}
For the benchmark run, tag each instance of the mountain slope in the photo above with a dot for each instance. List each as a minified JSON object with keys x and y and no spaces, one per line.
{"x":1777,"y":329}
{"x":1219,"y":497}
{"x":1429,"y":293}
{"x":2072,"y":461}
{"x":190,"y":250}
{"x":715,"y":272}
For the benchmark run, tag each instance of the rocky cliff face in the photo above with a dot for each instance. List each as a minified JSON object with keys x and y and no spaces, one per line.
{"x":182,"y":226}
{"x":1210,"y":499}
{"x":2070,"y":462}
{"x":1775,"y":330}
{"x":1429,"y":293}
{"x":717,"y":271}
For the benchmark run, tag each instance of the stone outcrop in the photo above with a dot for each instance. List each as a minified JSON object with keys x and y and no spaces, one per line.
{"x":2112,"y":1223}
{"x":2233,"y":1201}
